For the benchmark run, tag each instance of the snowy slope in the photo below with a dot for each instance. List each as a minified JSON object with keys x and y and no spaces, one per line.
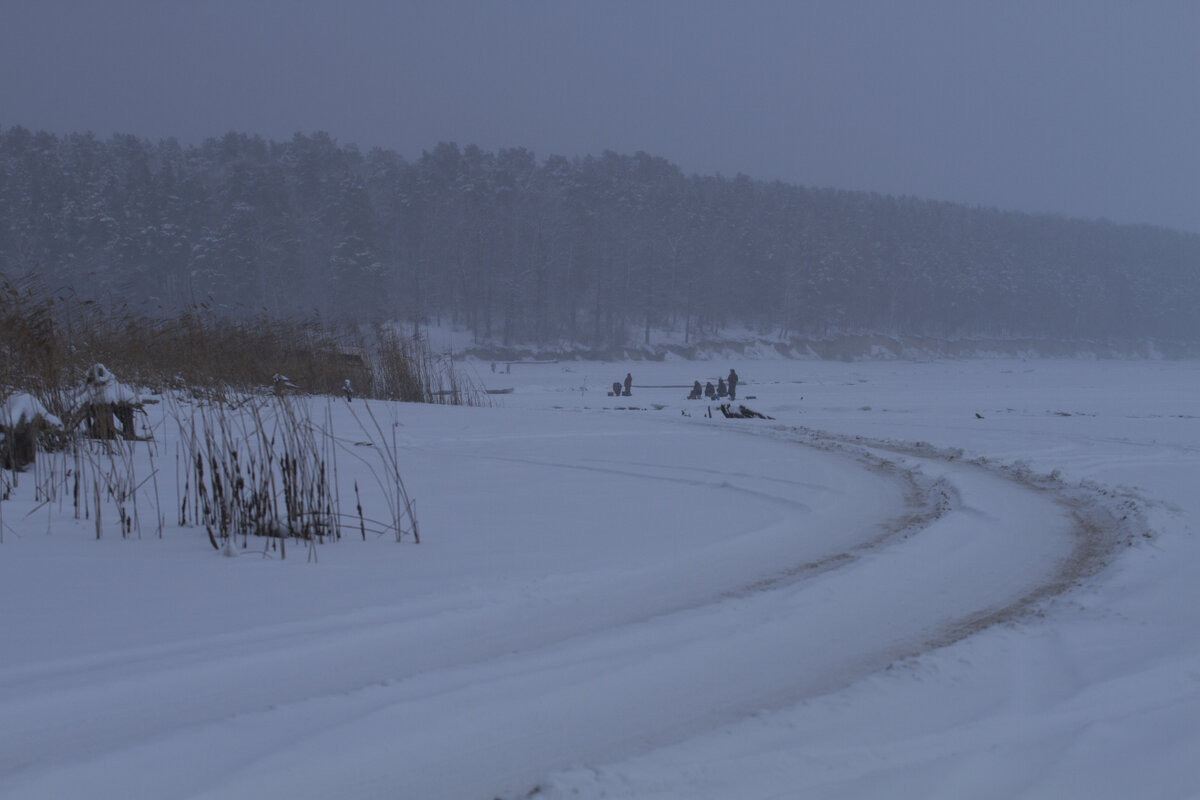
{"x":879,"y":592}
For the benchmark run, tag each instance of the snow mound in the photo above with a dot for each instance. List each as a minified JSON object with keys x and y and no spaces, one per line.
{"x":23,"y":408}
{"x":100,"y":386}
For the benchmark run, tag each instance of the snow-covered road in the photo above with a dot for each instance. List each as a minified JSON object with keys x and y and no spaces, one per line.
{"x":595,"y":585}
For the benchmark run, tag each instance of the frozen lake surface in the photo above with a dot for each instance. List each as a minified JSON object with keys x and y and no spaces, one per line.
{"x":944,"y":579}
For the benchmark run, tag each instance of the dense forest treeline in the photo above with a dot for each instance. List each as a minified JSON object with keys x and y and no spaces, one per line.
{"x":598,"y":250}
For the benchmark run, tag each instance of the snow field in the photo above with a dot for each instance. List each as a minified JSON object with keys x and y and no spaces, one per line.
{"x":618,"y":603}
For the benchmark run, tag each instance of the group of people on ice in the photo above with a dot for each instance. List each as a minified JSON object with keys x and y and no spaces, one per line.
{"x":725,"y":387}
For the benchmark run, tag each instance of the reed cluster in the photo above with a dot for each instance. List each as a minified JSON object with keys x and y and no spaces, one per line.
{"x":252,"y":461}
{"x":48,"y":341}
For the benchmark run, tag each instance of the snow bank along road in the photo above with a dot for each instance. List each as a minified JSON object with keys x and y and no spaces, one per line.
{"x":592,"y":585}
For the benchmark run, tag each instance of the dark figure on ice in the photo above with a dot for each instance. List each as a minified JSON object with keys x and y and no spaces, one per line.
{"x":628,"y":383}
{"x":721,"y":390}
{"x":733,"y":380}
{"x":741,"y":412}
{"x":696,"y":391}
{"x":709,"y":391}
{"x":616,"y":392}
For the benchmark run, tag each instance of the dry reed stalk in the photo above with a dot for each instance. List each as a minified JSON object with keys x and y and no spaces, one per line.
{"x":96,"y":487}
{"x":400,"y":504}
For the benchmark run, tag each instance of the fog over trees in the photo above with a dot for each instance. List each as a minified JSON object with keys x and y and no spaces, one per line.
{"x":600,"y":250}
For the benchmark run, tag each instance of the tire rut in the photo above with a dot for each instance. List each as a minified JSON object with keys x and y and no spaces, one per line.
{"x":1103,"y":519}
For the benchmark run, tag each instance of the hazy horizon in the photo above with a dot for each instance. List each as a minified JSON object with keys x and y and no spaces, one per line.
{"x":1077,"y":109}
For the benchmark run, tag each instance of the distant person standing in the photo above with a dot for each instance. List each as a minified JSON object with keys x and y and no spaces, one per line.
{"x":628,"y":383}
{"x":733,"y":379}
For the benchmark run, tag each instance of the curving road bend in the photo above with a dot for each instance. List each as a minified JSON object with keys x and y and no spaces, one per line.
{"x":868,"y":557}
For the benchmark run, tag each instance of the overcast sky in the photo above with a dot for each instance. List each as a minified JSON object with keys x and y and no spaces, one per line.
{"x":1088,"y":108}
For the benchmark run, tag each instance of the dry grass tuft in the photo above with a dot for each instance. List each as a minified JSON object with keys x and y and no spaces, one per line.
{"x":252,"y":462}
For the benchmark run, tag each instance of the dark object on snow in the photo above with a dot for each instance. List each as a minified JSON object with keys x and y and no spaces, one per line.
{"x":25,"y":424}
{"x":978,"y":415}
{"x":722,"y":390}
{"x":628,"y":384}
{"x":696,"y":391}
{"x":616,"y":392}
{"x":18,"y":446}
{"x":741,"y":413}
{"x":709,"y":391}
{"x":106,"y":406}
{"x":281,"y":384}
{"x":348,"y":391}
{"x":733,"y":382}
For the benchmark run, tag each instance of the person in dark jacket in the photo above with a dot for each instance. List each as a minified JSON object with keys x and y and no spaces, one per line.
{"x":696,"y":391}
{"x":628,"y":383}
{"x":709,"y":391}
{"x":733,"y":382}
{"x":721,"y":390}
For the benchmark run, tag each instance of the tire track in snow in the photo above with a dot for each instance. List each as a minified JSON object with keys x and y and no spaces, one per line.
{"x":722,"y":484}
{"x":58,"y":709}
{"x":632,"y":690}
{"x":756,"y":645}
{"x":1102,"y":520}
